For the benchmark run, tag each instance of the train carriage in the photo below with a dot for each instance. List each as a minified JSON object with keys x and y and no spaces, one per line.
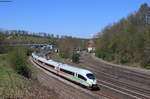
{"x":78,"y":75}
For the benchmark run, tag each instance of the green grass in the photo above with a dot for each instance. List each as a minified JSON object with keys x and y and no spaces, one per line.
{"x":10,"y":82}
{"x":4,"y":77}
{"x":15,"y":86}
{"x":9,"y":78}
{"x":2,"y":57}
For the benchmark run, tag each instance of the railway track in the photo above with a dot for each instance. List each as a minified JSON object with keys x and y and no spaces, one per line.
{"x":125,"y":88}
{"x":124,"y":72}
{"x":107,"y":77}
{"x":110,"y":81}
{"x":121,"y":72}
{"x":130,"y":90}
{"x":95,"y":94}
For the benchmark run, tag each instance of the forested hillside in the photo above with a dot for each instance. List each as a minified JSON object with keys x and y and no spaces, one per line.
{"x":25,"y":37}
{"x":12,"y":37}
{"x":65,"y":44}
{"x":69,"y":45}
{"x":127,"y":41}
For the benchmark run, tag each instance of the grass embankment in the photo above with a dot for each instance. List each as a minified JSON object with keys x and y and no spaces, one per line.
{"x":14,"y":85}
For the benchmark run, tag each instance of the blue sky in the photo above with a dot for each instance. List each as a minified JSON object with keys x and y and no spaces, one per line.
{"x":78,"y":18}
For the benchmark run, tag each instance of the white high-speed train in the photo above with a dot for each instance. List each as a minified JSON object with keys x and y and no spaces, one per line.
{"x":77,"y":75}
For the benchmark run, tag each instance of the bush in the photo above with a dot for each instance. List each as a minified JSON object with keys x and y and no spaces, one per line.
{"x":29,"y":51}
{"x":75,"y":58}
{"x":18,"y":60}
{"x":145,"y":62}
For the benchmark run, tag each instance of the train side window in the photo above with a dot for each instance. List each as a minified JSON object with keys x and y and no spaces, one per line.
{"x":39,"y":61}
{"x":66,"y":71}
{"x":81,"y":77}
{"x":49,"y":65}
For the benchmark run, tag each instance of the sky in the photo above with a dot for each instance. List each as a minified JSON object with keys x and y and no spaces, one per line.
{"x":77,"y":18}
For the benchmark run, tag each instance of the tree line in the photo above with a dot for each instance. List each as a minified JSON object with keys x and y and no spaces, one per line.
{"x":25,"y":37}
{"x":67,"y":45}
{"x":128,"y":40}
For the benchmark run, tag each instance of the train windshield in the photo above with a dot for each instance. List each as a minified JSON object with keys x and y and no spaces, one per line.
{"x":90,"y":76}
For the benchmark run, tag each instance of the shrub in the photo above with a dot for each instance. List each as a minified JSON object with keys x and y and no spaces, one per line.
{"x":75,"y":58}
{"x":18,"y":60}
{"x":145,"y":61}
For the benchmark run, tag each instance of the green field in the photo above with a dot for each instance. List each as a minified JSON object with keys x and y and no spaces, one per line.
{"x":15,"y":86}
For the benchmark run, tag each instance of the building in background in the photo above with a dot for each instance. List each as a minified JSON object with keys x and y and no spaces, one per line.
{"x":91,"y":46}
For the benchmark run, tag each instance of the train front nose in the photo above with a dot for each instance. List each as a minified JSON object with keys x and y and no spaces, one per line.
{"x":94,"y":85}
{"x":94,"y":81}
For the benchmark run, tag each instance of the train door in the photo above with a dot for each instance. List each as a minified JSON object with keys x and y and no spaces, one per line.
{"x":75,"y":74}
{"x":57,"y":68}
